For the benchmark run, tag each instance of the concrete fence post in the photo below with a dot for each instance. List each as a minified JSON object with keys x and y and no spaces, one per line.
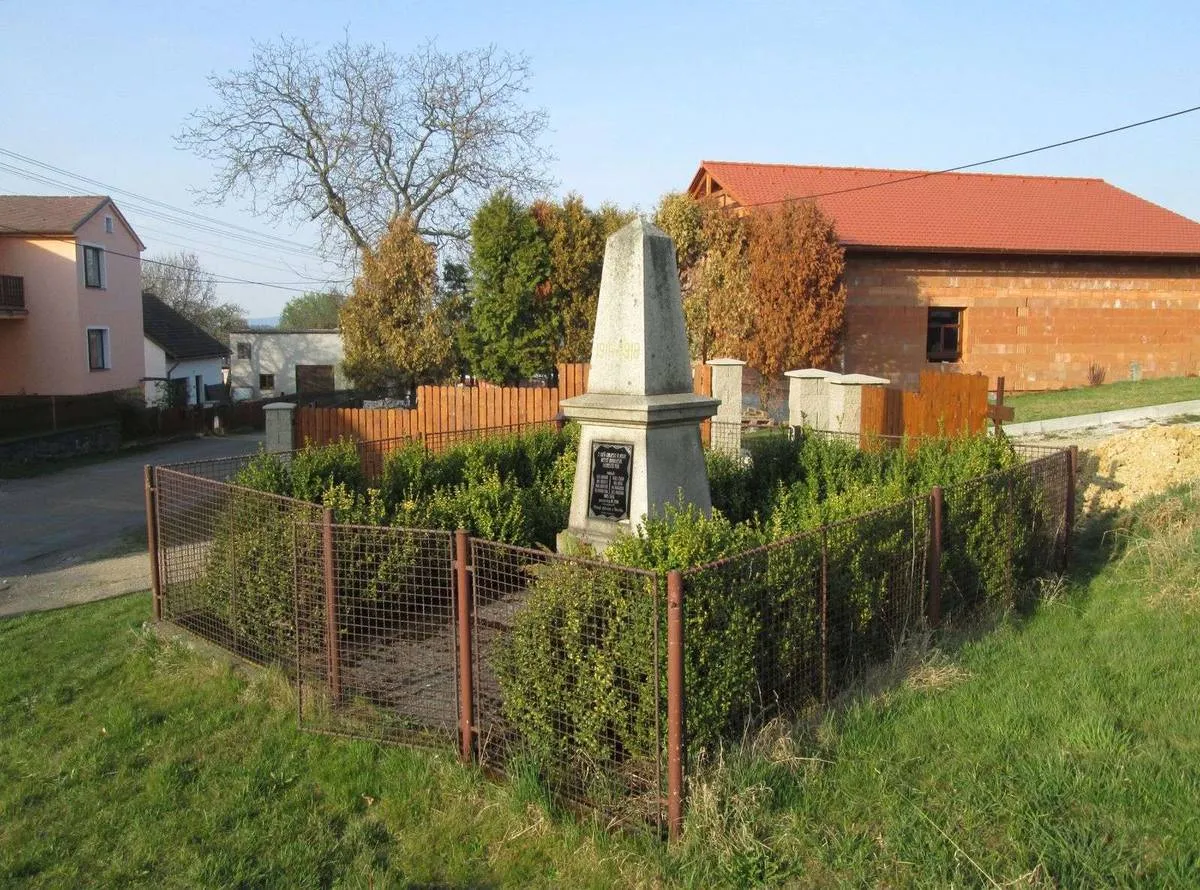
{"x":808,"y":397}
{"x":845,"y":400}
{"x":280,"y":418}
{"x":727,"y":386}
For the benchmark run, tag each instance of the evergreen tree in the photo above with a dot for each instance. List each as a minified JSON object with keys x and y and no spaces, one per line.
{"x":512,"y":329}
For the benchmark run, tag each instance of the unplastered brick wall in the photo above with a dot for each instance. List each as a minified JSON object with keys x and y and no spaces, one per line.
{"x":1042,"y":323}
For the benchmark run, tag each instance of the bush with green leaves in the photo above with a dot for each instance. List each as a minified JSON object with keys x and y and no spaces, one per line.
{"x":753,"y":623}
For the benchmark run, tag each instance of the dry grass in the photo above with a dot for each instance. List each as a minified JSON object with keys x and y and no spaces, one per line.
{"x":1161,"y":546}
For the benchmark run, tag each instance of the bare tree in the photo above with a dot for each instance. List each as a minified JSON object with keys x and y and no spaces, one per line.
{"x":182,"y":283}
{"x":359,"y":136}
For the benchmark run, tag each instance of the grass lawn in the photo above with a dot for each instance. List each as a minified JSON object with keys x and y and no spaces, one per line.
{"x":1106,"y":397}
{"x":1062,"y":749}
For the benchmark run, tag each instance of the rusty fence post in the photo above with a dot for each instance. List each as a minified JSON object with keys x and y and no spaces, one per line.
{"x":466,"y":683}
{"x":1069,"y":527}
{"x":824,"y":613}
{"x":933,"y":608}
{"x":333,"y":656}
{"x":152,"y":542}
{"x":676,"y":715}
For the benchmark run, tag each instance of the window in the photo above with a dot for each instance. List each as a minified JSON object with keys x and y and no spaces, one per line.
{"x":266,"y":381}
{"x":108,"y":225}
{"x":944,"y":340}
{"x":93,"y":266}
{"x":99,"y":358}
{"x":243,"y":350}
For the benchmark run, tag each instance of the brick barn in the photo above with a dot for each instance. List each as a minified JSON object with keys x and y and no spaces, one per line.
{"x":1037,"y":278}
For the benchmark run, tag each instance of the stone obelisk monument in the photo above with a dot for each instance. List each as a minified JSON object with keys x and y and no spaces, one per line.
{"x":639,"y":444}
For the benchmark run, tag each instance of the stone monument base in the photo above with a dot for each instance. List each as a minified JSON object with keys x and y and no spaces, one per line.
{"x":661,"y":436}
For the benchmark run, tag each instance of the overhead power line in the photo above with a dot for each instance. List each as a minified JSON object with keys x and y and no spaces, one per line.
{"x":219,"y":279}
{"x":154,"y":202}
{"x":996,"y":160}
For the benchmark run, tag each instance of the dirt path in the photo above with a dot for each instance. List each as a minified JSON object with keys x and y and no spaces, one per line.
{"x":80,"y":534}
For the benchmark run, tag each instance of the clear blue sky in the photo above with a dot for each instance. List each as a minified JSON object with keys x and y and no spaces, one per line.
{"x":637,"y":92}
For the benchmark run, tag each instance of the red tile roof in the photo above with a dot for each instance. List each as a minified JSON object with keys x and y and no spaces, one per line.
{"x":46,"y":214}
{"x":967,"y":211}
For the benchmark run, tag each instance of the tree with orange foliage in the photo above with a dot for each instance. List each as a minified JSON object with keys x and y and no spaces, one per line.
{"x":395,"y":336}
{"x":799,"y":299}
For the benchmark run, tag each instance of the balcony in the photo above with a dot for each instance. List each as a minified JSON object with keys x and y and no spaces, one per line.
{"x":12,"y":297}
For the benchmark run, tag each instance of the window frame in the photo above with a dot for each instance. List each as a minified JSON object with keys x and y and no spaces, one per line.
{"x":105,"y":347}
{"x":247,"y":346}
{"x":939,"y":353}
{"x":263,"y":385}
{"x":101,"y":278}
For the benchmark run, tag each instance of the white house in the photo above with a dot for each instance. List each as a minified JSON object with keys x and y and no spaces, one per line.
{"x":182,"y":359}
{"x":266,"y":363}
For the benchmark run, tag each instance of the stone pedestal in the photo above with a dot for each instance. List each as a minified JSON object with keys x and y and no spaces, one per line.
{"x":639,"y":445}
{"x":808,"y":397}
{"x":845,"y":400}
{"x":280,"y":426}
{"x":727,"y":389}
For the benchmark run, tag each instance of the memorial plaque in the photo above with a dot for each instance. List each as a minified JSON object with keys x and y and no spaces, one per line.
{"x":611,"y":466}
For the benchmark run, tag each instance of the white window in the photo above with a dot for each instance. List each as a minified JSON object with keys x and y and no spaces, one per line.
{"x":93,"y":266}
{"x":99,"y":355}
{"x":108,"y":225}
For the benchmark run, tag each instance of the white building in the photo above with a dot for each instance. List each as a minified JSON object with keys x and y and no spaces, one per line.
{"x":183,"y":361}
{"x":267,"y":363}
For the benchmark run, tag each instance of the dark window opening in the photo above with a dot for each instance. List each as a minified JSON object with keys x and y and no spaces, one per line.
{"x":943,"y":342}
{"x":266,"y":381}
{"x":93,"y":267}
{"x":243,"y":350}
{"x":97,"y":339}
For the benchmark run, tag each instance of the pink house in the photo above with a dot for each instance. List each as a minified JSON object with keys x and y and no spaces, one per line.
{"x":70,"y":297}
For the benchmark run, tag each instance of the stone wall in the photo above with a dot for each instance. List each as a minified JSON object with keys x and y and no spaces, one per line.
{"x":1040,"y":322}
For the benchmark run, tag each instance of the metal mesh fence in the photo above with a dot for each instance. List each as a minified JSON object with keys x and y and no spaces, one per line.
{"x":776,"y":628}
{"x":569,"y":677}
{"x":1003,"y":529}
{"x":375,"y":649}
{"x":557,"y":666}
{"x":227,"y":559}
{"x":726,"y":436}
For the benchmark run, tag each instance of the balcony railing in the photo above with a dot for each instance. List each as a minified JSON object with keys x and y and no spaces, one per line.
{"x":12,"y":295}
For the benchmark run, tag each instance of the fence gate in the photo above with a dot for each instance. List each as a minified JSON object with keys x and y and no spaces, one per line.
{"x":375,"y":632}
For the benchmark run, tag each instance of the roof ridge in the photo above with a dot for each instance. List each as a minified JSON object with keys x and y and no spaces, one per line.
{"x":903,"y":171}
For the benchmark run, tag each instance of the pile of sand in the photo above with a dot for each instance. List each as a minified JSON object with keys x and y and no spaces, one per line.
{"x":1130,"y":466}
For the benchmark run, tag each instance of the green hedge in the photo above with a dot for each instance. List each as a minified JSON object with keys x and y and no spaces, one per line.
{"x":753,"y":625}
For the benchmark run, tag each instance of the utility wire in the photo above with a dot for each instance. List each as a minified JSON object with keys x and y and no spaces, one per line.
{"x":164,"y":217}
{"x":223,"y":279}
{"x":996,"y":160}
{"x":112,"y":189}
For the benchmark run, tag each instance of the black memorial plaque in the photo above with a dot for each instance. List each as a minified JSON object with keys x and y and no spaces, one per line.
{"x":611,"y":467}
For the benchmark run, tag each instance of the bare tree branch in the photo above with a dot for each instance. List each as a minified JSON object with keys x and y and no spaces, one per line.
{"x":357,"y":136}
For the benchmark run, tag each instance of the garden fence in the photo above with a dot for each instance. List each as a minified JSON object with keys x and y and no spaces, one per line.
{"x":409,"y":635}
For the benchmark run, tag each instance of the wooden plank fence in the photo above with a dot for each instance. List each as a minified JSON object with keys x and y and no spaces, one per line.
{"x":442,"y":411}
{"x":945,"y":405}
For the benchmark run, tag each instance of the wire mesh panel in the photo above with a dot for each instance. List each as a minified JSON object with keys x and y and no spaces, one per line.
{"x":226,"y":562}
{"x":569,"y":678}
{"x":1049,"y":478}
{"x":753,"y":637}
{"x":772,"y":630}
{"x":376,"y":651}
{"x":726,"y":436}
{"x":876,"y":573}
